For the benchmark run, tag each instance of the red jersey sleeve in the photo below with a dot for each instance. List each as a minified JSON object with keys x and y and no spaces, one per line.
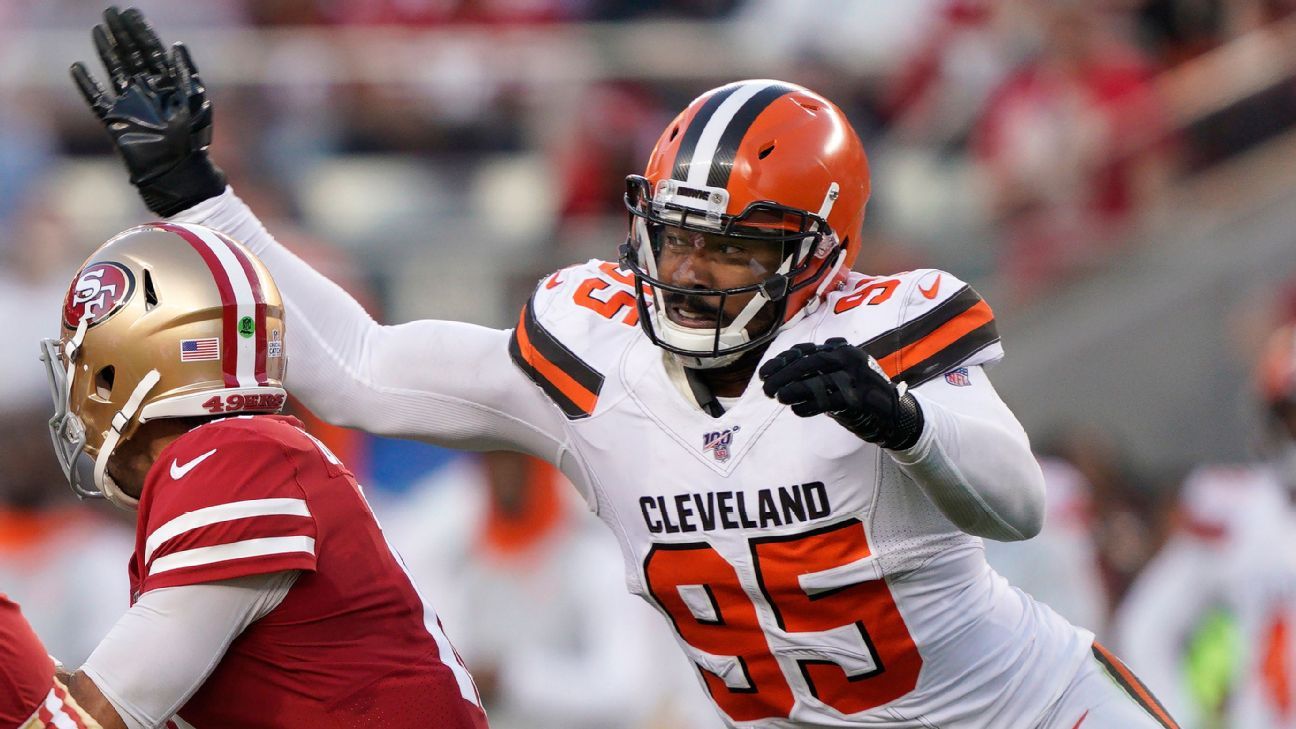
{"x":221,"y":502}
{"x":26,"y":671}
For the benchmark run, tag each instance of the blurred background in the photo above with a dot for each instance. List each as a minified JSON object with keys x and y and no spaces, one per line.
{"x":1116,"y":177}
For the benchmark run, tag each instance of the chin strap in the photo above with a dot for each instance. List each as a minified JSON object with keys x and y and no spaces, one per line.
{"x":120,"y":421}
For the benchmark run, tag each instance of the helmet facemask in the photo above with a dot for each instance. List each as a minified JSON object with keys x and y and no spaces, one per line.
{"x":86,"y":465}
{"x":810,"y":254}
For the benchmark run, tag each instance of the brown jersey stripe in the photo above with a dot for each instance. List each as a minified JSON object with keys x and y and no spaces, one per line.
{"x":943,"y":348}
{"x":950,"y":357}
{"x":1133,"y":686}
{"x":517,"y":345}
{"x":573,"y":385}
{"x":548,"y":346}
{"x":910,"y":332}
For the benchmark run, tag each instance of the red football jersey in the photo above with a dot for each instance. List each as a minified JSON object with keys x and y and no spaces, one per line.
{"x":353,"y":644}
{"x":29,"y":695}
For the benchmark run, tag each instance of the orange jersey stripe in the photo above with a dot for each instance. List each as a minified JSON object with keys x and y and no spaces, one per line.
{"x":577,"y":393}
{"x":948,"y":333}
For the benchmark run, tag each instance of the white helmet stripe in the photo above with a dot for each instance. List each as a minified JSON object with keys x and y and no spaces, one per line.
{"x":709,"y":142}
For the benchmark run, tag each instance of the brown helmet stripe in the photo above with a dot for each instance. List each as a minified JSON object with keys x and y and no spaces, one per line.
{"x":727,"y":148}
{"x":710,"y":144}
{"x":688,"y":144}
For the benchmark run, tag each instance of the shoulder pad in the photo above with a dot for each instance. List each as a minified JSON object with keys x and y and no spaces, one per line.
{"x":225,"y":460}
{"x":567,"y":334}
{"x":917,"y":325}
{"x":223,"y":501}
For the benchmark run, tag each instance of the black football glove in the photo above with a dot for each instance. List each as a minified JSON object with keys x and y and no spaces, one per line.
{"x":843,"y":381}
{"x":157,"y":113}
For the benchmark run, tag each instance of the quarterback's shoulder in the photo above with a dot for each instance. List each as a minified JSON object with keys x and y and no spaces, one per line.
{"x":226,"y":461}
{"x":572,"y":330}
{"x":224,"y":501}
{"x":917,"y":324}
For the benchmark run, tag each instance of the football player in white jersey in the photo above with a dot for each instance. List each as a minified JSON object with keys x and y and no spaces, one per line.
{"x":798,"y":461}
{"x":1235,"y":552}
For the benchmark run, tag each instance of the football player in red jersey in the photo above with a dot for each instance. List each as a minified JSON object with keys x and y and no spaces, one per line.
{"x":263,"y":591}
{"x":31,"y":696}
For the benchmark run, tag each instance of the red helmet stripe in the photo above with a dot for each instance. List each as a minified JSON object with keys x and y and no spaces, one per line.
{"x":259,"y":297}
{"x":229,"y":353}
{"x":239,"y":299}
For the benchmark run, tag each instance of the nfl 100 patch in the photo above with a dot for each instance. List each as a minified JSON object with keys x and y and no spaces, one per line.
{"x":718,"y":442}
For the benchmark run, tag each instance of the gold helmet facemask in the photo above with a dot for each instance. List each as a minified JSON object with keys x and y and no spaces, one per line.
{"x":163,"y":321}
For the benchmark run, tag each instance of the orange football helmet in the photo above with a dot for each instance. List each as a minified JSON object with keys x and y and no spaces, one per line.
{"x":163,"y":321}
{"x":763,"y":160}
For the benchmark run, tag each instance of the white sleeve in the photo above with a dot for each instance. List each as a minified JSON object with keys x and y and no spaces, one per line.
{"x":445,"y":382}
{"x":160,"y":652}
{"x":973,"y":460}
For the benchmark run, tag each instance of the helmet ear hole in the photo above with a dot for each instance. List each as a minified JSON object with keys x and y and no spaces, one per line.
{"x":104,"y":381}
{"x":150,"y":293}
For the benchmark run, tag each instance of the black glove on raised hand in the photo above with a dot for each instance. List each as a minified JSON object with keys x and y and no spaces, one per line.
{"x":843,"y":381}
{"x":157,"y":113}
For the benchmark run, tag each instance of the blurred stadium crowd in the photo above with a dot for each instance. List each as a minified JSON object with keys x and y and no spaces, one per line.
{"x":436,"y":156}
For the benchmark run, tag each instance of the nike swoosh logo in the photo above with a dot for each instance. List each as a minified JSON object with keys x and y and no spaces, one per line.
{"x":930,"y":292}
{"x":178,"y":471}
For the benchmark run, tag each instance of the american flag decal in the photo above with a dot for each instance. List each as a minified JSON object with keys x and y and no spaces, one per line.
{"x":199,"y":350}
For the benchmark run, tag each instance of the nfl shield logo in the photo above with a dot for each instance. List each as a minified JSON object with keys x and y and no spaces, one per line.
{"x":958,"y":377}
{"x":718,"y":443}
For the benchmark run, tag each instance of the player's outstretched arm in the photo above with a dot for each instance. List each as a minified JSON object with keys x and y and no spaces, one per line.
{"x":961,"y":445}
{"x":444,"y":382}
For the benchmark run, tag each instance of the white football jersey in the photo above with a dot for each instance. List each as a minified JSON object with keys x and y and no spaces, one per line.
{"x":1236,"y":551}
{"x":808,"y":578}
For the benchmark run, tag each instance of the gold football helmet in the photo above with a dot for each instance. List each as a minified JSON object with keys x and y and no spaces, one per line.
{"x":163,"y":321}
